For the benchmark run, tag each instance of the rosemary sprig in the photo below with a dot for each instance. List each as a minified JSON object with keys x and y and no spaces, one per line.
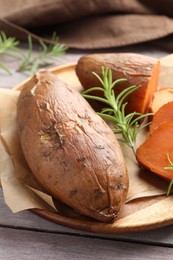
{"x":170,"y":168}
{"x":29,"y":62}
{"x":8,"y":46}
{"x":126,"y":125}
{"x":45,"y":56}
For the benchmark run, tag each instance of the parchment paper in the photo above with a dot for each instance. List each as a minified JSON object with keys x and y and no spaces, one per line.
{"x":20,"y":188}
{"x":166,"y":72}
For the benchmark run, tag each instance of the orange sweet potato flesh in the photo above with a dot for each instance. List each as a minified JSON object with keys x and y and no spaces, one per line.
{"x":163,"y":115}
{"x":136,"y":68}
{"x":71,"y":151}
{"x":161,"y":97}
{"x":152,"y":154}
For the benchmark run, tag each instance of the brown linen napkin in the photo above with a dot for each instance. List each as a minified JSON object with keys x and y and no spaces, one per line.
{"x":91,"y":24}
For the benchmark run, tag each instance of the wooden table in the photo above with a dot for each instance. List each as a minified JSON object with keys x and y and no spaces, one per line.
{"x":27,"y":236}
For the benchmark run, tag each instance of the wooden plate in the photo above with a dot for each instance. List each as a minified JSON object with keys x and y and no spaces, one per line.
{"x":138,"y":215}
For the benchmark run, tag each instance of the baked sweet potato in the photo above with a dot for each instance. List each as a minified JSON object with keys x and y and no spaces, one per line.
{"x":161,"y":97}
{"x":71,"y":151}
{"x":163,"y":115}
{"x":152,"y":154}
{"x":136,"y":68}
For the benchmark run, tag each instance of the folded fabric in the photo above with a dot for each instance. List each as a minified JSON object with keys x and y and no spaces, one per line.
{"x":90,"y":24}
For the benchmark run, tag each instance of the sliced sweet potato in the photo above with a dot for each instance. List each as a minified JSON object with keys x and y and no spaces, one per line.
{"x":152,"y":154}
{"x":136,"y":68}
{"x":163,"y":115}
{"x":161,"y":97}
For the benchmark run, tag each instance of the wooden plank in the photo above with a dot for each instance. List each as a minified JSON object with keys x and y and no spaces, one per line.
{"x":28,"y":220}
{"x":21,"y":244}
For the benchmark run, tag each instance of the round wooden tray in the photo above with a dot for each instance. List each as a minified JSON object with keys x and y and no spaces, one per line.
{"x":138,"y":215}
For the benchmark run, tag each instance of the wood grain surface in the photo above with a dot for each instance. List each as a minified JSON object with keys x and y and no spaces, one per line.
{"x":38,"y":245}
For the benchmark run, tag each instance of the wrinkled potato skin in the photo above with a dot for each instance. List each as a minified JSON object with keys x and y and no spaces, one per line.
{"x":136,"y":68}
{"x":71,"y":151}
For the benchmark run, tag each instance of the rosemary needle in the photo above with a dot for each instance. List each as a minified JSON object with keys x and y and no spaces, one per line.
{"x":170,"y":168}
{"x":126,"y":125}
{"x":44,"y":57}
{"x":29,"y":62}
{"x":8,"y":47}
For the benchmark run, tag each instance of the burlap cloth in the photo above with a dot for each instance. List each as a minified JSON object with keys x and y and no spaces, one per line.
{"x":91,"y":24}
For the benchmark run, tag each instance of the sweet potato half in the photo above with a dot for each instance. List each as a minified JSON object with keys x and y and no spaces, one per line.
{"x":136,"y":68}
{"x":71,"y":151}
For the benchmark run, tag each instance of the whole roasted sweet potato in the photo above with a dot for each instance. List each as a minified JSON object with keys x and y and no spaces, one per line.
{"x":136,"y":68}
{"x":71,"y":151}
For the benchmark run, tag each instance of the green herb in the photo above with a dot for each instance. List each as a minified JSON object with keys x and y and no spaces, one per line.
{"x":29,"y":62}
{"x":8,"y":48}
{"x":44,"y":57}
{"x":170,"y":168}
{"x":126,"y":125}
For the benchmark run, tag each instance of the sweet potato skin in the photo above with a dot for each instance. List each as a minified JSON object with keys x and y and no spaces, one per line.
{"x":136,"y":68}
{"x":71,"y":151}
